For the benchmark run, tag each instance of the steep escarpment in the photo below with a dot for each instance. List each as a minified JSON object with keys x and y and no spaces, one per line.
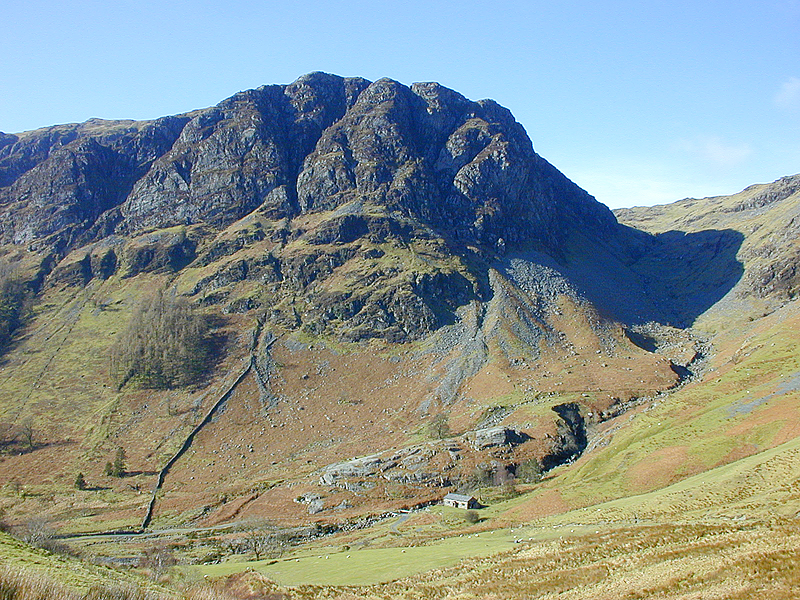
{"x":750,"y":238}
{"x":465,"y":168}
{"x":55,"y":183}
{"x":379,"y":205}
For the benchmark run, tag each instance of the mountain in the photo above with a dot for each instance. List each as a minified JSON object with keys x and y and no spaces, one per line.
{"x":325,"y":161}
{"x":313,"y":146}
{"x":324,"y":301}
{"x":764,"y":217}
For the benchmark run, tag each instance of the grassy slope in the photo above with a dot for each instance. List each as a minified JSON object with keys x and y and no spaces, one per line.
{"x":668,"y":505}
{"x":56,"y":378}
{"x":766,"y":216}
{"x":729,"y":532}
{"x":341,"y":565}
{"x":703,"y":481}
{"x":695,"y":493}
{"x":74,"y":575}
{"x":748,"y":403}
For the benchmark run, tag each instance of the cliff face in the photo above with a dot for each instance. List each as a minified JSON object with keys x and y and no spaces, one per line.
{"x":330,"y":189}
{"x":466,"y":169}
{"x":338,"y":210}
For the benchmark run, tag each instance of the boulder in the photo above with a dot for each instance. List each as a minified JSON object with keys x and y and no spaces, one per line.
{"x":495,"y":436}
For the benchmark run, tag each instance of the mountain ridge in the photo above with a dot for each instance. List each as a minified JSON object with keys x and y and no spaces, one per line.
{"x":323,"y":161}
{"x":247,"y":162}
{"x":406,"y":300}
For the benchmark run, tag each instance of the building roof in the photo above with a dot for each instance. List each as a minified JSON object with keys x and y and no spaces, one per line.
{"x":458,"y":497}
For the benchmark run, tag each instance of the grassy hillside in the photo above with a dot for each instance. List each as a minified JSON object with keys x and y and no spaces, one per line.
{"x":28,"y":573}
{"x":765,"y":217}
{"x":681,"y":492}
{"x":695,"y":493}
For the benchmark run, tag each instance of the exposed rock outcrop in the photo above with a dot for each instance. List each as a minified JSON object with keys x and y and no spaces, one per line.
{"x":380,"y":204}
{"x":571,"y":437}
{"x":492,"y":437}
{"x":463,"y":167}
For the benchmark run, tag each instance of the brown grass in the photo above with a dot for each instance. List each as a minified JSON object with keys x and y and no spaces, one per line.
{"x":664,"y":561}
{"x":28,"y":584}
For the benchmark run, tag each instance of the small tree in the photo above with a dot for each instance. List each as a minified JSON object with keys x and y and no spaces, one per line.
{"x":118,"y":466}
{"x":502,"y":476}
{"x":262,"y":539}
{"x":80,"y":482}
{"x":26,"y":432}
{"x":258,"y":542}
{"x":471,"y":516}
{"x":439,"y":427}
{"x":529,"y":471}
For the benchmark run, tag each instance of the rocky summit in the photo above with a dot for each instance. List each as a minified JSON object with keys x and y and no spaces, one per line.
{"x":319,"y":303}
{"x":331,"y":170}
{"x":425,"y":153}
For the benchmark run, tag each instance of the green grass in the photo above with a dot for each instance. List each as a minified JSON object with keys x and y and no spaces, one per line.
{"x":699,"y":419}
{"x":75,"y":575}
{"x":366,"y":566}
{"x":761,"y":487}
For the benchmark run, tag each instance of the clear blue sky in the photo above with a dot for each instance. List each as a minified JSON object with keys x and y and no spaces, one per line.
{"x":637,"y":102}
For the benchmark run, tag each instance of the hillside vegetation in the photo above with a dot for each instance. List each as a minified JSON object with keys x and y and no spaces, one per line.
{"x":291,"y":323}
{"x":165,"y":345}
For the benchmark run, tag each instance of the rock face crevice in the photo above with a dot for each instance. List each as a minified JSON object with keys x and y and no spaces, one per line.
{"x":570,"y":439}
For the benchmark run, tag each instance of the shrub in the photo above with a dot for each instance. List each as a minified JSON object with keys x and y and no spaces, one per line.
{"x":481,"y":476}
{"x":158,"y":560}
{"x":439,"y":428}
{"x":40,"y":533}
{"x":118,"y":466}
{"x":529,"y":471}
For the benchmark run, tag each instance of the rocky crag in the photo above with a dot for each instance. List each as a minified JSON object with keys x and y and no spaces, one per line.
{"x":335,"y":174}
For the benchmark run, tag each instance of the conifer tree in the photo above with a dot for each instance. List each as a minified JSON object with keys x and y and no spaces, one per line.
{"x":118,"y":466}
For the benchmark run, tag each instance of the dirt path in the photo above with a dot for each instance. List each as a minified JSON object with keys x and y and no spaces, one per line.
{"x":401,"y":519}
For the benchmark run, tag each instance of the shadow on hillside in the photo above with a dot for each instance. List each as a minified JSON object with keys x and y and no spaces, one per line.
{"x":685,"y":274}
{"x":671,"y":278}
{"x":12,"y":443}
